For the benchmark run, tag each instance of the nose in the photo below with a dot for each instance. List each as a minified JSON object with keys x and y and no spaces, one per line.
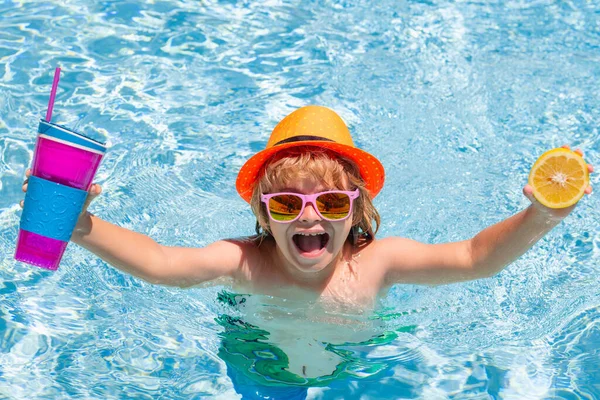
{"x":309,"y":214}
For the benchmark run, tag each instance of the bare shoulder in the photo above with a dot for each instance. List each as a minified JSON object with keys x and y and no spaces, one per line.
{"x":255,"y":256}
{"x":381,"y":254}
{"x":389,"y":249}
{"x":244,"y":251}
{"x":408,"y":261}
{"x":393,"y":242}
{"x":227,"y":258}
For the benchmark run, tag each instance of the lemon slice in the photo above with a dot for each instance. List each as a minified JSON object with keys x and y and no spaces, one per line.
{"x":559,"y":178}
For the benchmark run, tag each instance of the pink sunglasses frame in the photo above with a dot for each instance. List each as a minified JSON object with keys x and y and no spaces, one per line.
{"x":310,"y":198}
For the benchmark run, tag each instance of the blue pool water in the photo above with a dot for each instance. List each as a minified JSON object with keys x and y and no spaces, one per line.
{"x":457,"y":99}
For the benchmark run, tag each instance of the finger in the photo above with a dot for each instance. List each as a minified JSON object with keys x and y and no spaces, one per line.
{"x":566,"y":146}
{"x":24,"y":187}
{"x":579,"y":151}
{"x":590,"y":168}
{"x":95,"y":190}
{"x":28,"y":172}
{"x":588,"y":190}
{"x":22,"y":203}
{"x":528,"y":192}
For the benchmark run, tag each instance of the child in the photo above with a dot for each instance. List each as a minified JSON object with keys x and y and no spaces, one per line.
{"x":311,"y":190}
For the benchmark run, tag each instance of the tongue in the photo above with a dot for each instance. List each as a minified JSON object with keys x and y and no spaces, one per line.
{"x":308,"y":244}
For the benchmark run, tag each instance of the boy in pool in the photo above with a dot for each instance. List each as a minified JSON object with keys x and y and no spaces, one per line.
{"x":311,"y":190}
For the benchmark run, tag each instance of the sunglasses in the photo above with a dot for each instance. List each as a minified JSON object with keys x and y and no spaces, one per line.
{"x":334,"y":205}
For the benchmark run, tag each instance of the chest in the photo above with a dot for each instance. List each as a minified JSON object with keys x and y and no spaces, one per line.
{"x":355,"y":284}
{"x":356,"y":281}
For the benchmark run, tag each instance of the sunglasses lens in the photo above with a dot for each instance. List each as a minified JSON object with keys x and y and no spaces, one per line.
{"x":285,"y":207}
{"x":334,"y":206}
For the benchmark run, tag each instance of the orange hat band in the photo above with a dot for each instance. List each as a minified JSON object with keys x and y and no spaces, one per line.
{"x":303,"y":138}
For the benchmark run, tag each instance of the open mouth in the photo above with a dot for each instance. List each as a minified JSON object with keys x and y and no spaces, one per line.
{"x":310,"y":244}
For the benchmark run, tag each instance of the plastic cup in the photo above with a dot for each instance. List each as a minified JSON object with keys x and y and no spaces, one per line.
{"x":64,"y":165}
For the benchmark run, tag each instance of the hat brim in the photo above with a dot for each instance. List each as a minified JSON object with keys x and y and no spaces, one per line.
{"x":371,"y":170}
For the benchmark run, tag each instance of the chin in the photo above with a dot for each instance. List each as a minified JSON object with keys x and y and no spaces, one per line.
{"x":314,"y":266}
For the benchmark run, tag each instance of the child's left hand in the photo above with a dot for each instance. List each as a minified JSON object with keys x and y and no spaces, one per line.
{"x":555,"y":213}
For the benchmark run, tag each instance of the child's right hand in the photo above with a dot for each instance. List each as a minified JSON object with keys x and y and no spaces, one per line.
{"x":94,"y":191}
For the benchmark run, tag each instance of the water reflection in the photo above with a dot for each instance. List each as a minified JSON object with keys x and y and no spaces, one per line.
{"x":271,"y":342}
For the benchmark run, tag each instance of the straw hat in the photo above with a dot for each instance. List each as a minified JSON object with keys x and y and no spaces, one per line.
{"x":311,"y":126}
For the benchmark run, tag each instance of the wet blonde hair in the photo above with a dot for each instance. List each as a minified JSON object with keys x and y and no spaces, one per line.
{"x":323,"y":166}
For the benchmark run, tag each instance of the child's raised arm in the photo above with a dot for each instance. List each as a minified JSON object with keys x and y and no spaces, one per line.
{"x":486,"y":254}
{"x":139,"y":255}
{"x":483,"y":256}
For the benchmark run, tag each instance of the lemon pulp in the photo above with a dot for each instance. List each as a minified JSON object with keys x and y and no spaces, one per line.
{"x":559,"y":178}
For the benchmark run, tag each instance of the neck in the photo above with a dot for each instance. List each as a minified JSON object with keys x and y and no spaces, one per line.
{"x":314,"y":280}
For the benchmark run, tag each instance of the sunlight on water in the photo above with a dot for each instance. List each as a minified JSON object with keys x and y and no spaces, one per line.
{"x":457,"y":99}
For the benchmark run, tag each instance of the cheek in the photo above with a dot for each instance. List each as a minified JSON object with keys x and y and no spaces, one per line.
{"x":277,"y":230}
{"x":343,"y":230}
{"x":274,"y":229}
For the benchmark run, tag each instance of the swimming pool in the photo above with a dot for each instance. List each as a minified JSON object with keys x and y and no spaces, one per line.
{"x":456,"y":98}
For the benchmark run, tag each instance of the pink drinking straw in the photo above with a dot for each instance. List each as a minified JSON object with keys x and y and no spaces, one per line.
{"x":53,"y":94}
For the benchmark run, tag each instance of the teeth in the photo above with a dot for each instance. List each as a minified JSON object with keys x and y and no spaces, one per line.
{"x":310,"y":234}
